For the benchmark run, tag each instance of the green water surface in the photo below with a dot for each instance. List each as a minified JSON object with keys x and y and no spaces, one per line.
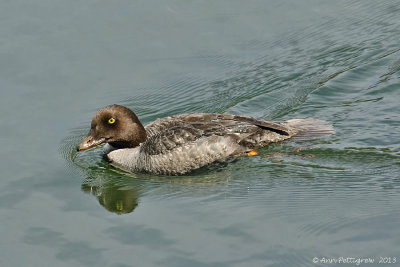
{"x":338,"y":61}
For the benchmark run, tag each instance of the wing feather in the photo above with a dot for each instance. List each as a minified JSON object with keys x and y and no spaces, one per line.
{"x":169,"y":133}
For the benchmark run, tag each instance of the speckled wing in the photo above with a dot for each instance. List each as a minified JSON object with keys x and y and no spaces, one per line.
{"x":168,"y":139}
{"x":169,"y":133}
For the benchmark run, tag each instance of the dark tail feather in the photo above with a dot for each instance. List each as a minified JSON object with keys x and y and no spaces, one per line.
{"x":310,"y":128}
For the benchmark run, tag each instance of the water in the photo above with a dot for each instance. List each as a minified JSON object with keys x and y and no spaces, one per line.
{"x":335,"y":60}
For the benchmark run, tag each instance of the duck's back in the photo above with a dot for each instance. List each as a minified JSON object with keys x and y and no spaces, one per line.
{"x":170,"y":132}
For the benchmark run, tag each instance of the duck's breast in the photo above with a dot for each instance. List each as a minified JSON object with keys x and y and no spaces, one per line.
{"x":190,"y":156}
{"x":179,"y":160}
{"x":126,"y":158}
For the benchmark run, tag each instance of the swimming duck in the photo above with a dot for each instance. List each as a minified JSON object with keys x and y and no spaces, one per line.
{"x":179,"y":144}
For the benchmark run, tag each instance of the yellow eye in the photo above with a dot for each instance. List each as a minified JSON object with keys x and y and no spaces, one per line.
{"x":111,"y":120}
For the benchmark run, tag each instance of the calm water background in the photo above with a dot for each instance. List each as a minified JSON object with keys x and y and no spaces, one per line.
{"x":336,"y":60}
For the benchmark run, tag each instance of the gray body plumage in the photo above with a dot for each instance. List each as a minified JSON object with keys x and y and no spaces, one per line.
{"x":179,"y":144}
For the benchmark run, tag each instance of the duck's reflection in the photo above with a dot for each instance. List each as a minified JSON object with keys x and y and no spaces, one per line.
{"x":112,"y":197}
{"x":115,"y":191}
{"x":120,"y":192}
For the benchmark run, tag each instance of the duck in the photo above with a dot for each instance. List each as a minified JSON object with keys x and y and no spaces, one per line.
{"x":179,"y":144}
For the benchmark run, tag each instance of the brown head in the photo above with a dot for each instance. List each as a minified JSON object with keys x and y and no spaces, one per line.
{"x":116,"y":125}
